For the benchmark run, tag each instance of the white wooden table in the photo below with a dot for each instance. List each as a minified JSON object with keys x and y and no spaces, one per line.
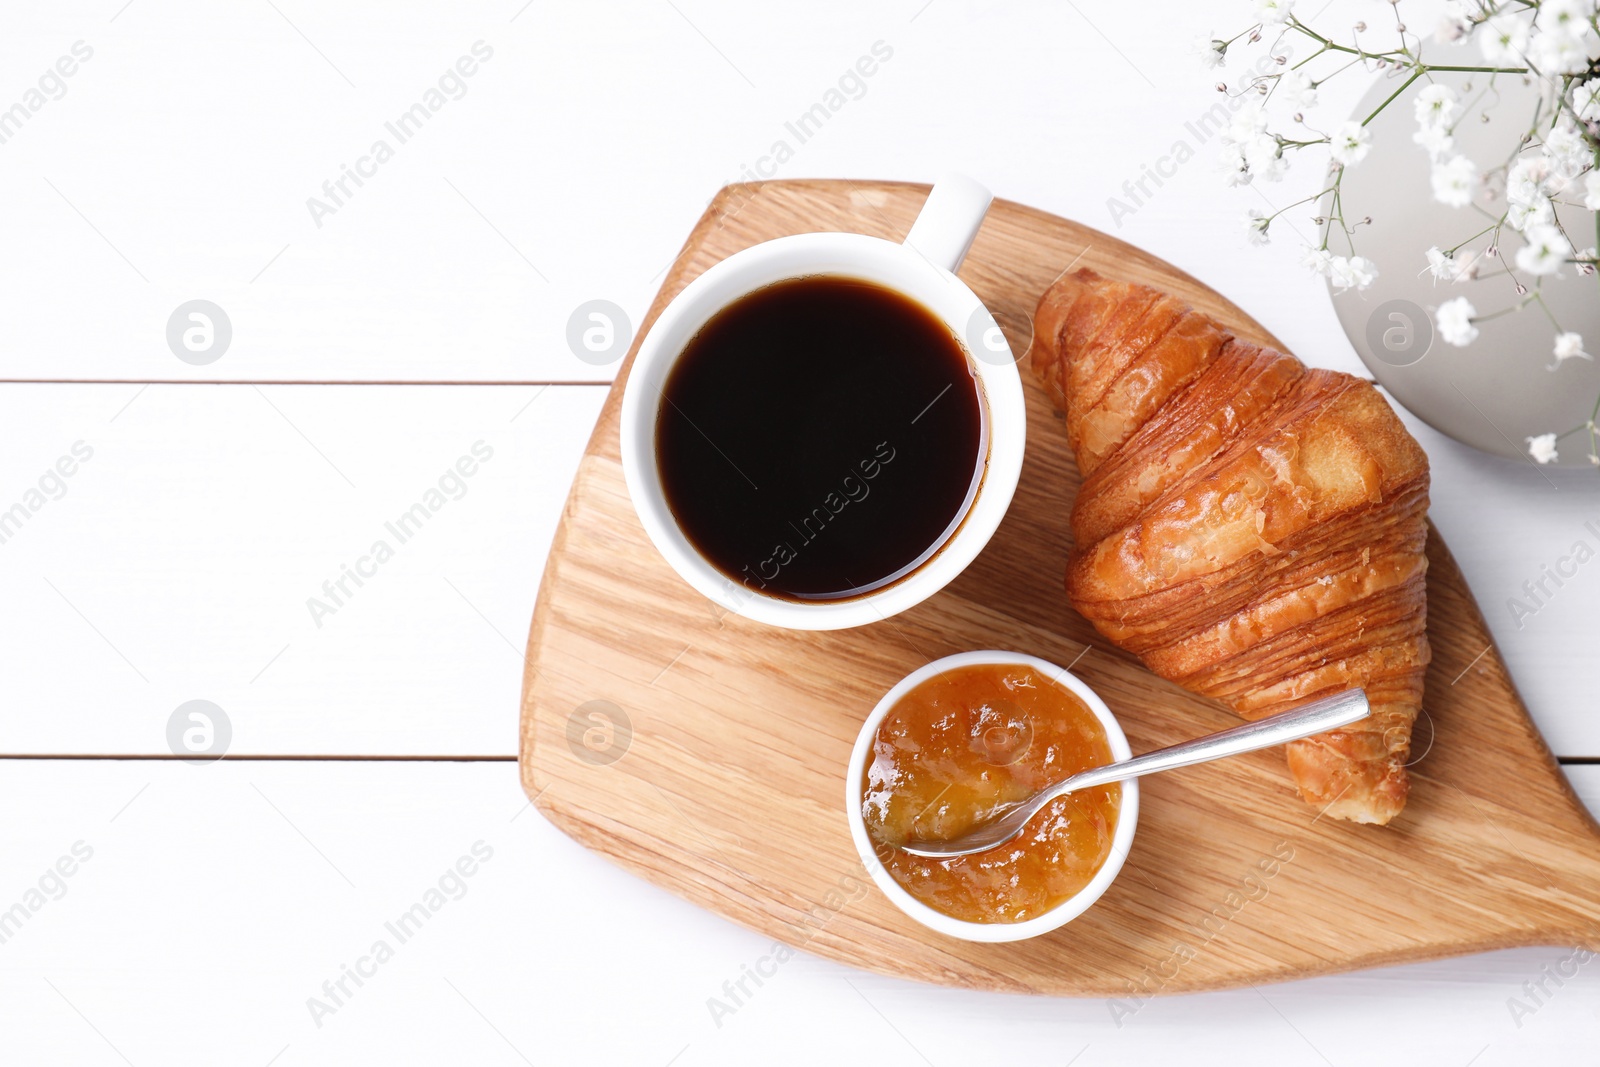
{"x":380,"y":337}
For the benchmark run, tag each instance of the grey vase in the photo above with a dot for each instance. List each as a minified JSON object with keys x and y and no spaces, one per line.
{"x":1498,"y":391}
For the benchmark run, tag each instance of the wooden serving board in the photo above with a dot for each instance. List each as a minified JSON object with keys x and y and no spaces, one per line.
{"x":725,"y":782}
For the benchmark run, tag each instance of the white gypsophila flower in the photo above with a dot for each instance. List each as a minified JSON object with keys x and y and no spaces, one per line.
{"x":1442,"y":265}
{"x":1554,"y":52}
{"x":1567,"y":150}
{"x":1586,"y":268}
{"x":1525,"y":181}
{"x":1436,"y":139}
{"x":1546,"y":250}
{"x":1210,"y":50}
{"x":1503,"y":40}
{"x":1565,"y":40}
{"x":1247,"y":147}
{"x":1245,"y":125}
{"x":1318,"y":260}
{"x":1536,"y":211}
{"x":1543,"y":448}
{"x":1586,"y":100}
{"x":1454,"y":319}
{"x":1529,"y":183}
{"x":1273,"y":12}
{"x":1363,"y":270}
{"x":1436,"y":106}
{"x":1297,"y":91}
{"x":1255,"y":227}
{"x":1569,"y":345}
{"x":1453,"y":181}
{"x":1350,"y":144}
{"x":1265,"y":157}
{"x":1569,"y":19}
{"x":1233,"y":164}
{"x":1571,"y":16}
{"x":1272,"y":168}
{"x":1455,"y":21}
{"x":1356,"y":272}
{"x":1591,"y":191}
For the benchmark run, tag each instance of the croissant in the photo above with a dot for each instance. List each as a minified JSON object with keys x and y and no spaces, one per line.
{"x":1251,"y":529}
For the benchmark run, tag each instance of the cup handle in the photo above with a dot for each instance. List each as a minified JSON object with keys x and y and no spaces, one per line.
{"x":949,"y":220}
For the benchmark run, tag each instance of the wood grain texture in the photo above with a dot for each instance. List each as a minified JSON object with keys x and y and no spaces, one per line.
{"x":740,"y":733}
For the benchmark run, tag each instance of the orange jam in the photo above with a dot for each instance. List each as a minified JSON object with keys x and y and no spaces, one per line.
{"x":970,"y":740}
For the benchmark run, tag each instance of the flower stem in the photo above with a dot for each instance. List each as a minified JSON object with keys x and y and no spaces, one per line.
{"x":1403,"y":87}
{"x":1479,"y":70}
{"x":1330,"y":46}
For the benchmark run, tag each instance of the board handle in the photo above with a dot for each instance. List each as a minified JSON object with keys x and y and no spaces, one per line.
{"x":949,"y":220}
{"x":1577,"y":881}
{"x":1585,"y":929}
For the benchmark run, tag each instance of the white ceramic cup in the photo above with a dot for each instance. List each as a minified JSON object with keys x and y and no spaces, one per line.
{"x":1061,"y":914}
{"x":921,"y":268}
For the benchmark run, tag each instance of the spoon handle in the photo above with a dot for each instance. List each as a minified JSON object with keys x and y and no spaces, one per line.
{"x":1329,"y":713}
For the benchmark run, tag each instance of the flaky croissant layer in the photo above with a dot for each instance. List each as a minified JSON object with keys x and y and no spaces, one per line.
{"x":1252,"y":529}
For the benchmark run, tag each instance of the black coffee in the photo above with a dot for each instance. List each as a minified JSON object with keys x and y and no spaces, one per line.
{"x":820,"y":438}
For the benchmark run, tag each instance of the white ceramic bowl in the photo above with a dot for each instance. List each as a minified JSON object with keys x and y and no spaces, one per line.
{"x":1061,"y":914}
{"x":921,"y":268}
